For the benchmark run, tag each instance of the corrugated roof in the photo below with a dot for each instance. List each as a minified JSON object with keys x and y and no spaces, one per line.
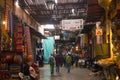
{"x":85,"y":9}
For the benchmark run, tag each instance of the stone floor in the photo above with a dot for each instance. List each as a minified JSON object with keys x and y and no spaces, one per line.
{"x":75,"y":74}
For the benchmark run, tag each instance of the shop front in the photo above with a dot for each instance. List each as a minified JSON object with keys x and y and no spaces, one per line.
{"x":106,"y":45}
{"x":37,"y":46}
{"x":15,"y":40}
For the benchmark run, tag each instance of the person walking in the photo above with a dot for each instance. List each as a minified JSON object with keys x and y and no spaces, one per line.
{"x":51,"y":62}
{"x":68,"y":62}
{"x":77,"y":57}
{"x":58,"y":62}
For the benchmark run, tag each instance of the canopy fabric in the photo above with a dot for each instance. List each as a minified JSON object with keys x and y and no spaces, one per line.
{"x":48,"y":48}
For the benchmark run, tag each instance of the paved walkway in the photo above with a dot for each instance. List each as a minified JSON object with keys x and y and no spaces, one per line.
{"x":76,"y":74}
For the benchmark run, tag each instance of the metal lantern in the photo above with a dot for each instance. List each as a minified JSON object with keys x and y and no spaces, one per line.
{"x":50,"y":4}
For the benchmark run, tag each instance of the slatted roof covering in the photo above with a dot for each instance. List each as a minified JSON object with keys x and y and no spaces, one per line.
{"x":86,"y":9}
{"x":68,"y":1}
{"x":34,"y":2}
{"x":95,"y":12}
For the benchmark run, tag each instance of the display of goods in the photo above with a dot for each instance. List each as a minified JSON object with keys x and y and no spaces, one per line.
{"x":29,"y":58}
{"x":9,"y":58}
{"x":5,"y":75}
{"x":28,"y":40}
{"x":18,"y":38}
{"x":17,"y":59}
{"x":14,"y":69}
{"x":3,"y":66}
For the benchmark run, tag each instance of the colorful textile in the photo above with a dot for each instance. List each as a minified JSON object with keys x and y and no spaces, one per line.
{"x":48,"y":48}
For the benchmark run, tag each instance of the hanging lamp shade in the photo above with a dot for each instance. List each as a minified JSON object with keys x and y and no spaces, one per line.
{"x":50,"y":4}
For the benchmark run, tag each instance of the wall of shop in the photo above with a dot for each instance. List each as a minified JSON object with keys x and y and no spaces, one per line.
{"x":15,"y":43}
{"x":25,"y":17}
{"x":8,"y":2}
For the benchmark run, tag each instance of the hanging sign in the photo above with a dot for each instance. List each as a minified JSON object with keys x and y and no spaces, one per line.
{"x":72,"y":24}
{"x":99,"y":32}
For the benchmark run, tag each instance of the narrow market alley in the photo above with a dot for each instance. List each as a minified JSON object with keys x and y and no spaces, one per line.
{"x":39,"y":36}
{"x":75,"y":74}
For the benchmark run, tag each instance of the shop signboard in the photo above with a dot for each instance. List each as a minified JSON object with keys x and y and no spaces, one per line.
{"x":72,"y":24}
{"x":99,"y":32}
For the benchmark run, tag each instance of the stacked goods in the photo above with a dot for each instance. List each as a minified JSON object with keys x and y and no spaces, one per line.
{"x":17,"y":59}
{"x":14,"y":70}
{"x":18,"y":38}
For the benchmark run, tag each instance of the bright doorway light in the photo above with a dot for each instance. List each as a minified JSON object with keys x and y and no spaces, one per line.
{"x":49,"y":26}
{"x":56,"y":1}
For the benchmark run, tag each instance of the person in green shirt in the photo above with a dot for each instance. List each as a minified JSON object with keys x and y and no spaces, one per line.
{"x":52,"y":62}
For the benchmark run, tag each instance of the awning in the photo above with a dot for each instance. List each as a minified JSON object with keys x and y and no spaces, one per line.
{"x":36,"y":33}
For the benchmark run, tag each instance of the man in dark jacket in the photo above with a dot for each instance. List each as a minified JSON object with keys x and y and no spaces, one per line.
{"x":58,"y":62}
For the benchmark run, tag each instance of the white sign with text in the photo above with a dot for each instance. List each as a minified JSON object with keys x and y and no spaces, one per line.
{"x":72,"y":24}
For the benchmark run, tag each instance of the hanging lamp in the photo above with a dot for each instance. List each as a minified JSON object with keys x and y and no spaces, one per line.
{"x":50,"y":4}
